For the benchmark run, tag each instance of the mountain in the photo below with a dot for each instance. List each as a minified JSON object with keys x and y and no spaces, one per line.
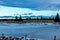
{"x":32,"y":16}
{"x":7,"y":17}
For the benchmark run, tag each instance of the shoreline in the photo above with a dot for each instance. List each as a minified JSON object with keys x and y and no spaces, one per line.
{"x":25,"y":21}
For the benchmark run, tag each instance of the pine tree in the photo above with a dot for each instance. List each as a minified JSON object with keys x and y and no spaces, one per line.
{"x":41,"y":18}
{"x":57,"y":18}
{"x":20,"y":18}
{"x":16,"y":18}
{"x":49,"y":18}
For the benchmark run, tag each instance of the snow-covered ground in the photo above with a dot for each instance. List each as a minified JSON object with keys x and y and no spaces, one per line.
{"x":43,"y":31}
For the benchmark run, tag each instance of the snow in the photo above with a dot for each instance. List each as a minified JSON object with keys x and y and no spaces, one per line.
{"x":41,"y":31}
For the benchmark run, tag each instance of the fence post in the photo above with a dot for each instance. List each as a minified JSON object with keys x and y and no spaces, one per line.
{"x":25,"y":37}
{"x":54,"y":37}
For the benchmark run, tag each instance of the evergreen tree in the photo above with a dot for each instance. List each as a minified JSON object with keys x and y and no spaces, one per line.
{"x":41,"y":18}
{"x":57,"y":18}
{"x":20,"y":18}
{"x":37,"y":18}
{"x":16,"y":18}
{"x":49,"y":18}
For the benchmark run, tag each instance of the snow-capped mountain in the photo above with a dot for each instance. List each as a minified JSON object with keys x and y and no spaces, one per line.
{"x":34,"y":17}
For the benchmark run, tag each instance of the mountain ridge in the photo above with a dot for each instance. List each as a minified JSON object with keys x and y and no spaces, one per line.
{"x":12,"y":17}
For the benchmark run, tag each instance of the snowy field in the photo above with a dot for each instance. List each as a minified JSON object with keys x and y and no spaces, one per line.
{"x":41,"y":31}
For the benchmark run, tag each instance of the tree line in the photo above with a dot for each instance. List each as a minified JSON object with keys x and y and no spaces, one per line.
{"x":18,"y":18}
{"x":56,"y":18}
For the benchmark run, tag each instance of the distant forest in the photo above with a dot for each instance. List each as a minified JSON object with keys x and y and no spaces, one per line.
{"x":56,"y":18}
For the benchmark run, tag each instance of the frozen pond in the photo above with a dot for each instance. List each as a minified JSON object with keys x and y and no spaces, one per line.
{"x":34,"y":30}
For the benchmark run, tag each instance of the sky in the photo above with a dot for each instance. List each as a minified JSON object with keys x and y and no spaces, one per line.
{"x":29,"y":7}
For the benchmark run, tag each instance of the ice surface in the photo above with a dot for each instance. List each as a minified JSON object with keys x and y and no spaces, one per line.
{"x":34,"y":30}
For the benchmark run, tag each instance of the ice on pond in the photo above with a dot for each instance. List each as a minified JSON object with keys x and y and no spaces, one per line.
{"x":35,"y":30}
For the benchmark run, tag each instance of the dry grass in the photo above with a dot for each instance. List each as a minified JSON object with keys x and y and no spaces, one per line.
{"x":24,"y":21}
{"x":50,"y":21}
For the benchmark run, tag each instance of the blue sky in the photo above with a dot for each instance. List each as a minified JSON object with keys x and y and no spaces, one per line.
{"x":24,"y":7}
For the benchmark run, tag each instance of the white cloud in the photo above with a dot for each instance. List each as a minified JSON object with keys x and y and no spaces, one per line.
{"x":13,"y":11}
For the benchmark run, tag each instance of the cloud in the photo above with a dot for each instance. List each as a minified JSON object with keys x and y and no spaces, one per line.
{"x":33,"y":4}
{"x":11,"y":11}
{"x":2,"y":2}
{"x":27,"y":14}
{"x":54,"y":1}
